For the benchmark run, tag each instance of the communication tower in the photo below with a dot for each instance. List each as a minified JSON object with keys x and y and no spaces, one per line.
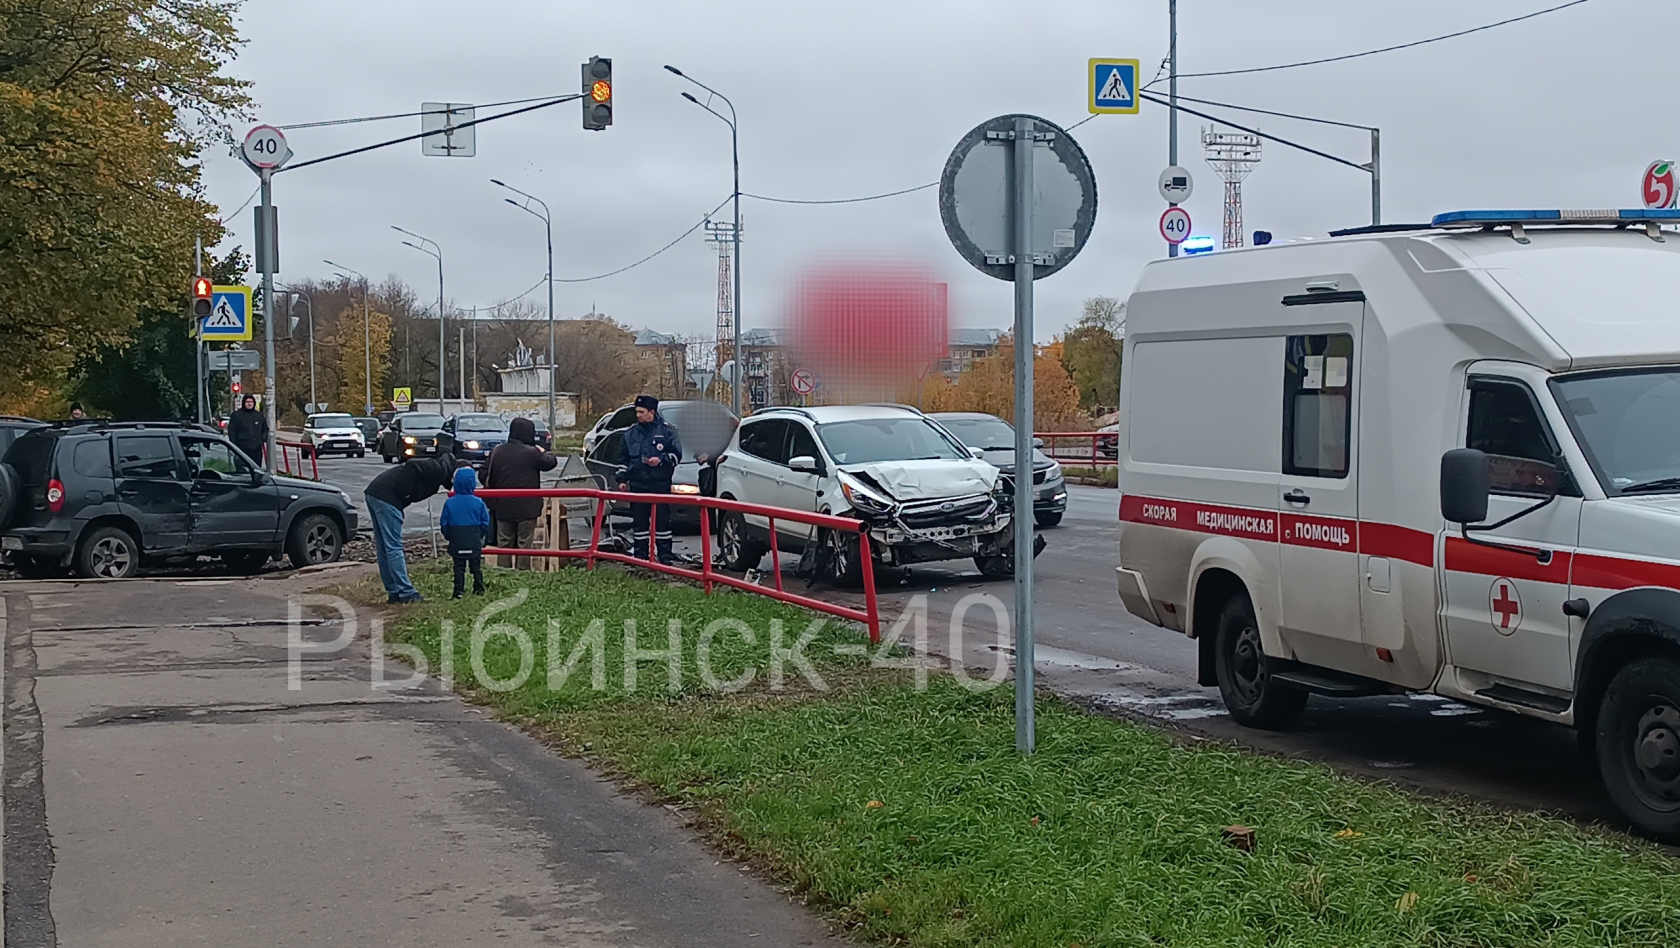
{"x":721,"y":236}
{"x":1233,"y":155}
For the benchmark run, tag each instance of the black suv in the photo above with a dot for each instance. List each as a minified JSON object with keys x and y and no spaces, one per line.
{"x":104,"y":498}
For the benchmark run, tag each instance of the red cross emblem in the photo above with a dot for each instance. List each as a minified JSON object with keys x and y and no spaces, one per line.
{"x":1504,"y":606}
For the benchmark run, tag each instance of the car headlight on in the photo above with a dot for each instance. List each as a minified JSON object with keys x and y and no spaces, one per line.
{"x":685,"y":489}
{"x":410,"y":439}
{"x":863,"y":499}
{"x":470,"y":445}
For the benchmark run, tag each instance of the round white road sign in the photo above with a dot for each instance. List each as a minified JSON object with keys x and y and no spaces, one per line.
{"x":1175,"y":225}
{"x":1175,"y":185}
{"x":265,"y":148}
{"x":804,"y":382}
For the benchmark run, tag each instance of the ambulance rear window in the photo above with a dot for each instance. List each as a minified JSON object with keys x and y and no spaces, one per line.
{"x":1317,"y":402}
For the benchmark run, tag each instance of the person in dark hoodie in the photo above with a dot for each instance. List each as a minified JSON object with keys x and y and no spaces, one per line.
{"x":651,"y":455}
{"x":248,"y":429}
{"x":517,"y":463}
{"x":466,"y":526}
{"x":413,"y":480}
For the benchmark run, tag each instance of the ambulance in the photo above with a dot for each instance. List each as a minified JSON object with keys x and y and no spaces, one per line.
{"x":1439,"y":458}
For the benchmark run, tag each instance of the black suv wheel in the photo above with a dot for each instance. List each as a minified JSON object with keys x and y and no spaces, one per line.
{"x":1244,"y":672}
{"x":314,"y":539}
{"x":1638,"y":741}
{"x":108,"y":553}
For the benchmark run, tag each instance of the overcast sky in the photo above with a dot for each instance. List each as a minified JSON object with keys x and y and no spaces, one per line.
{"x":838,"y":100}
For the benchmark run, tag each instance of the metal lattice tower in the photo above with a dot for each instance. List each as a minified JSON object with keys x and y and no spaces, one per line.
{"x":1233,"y":155}
{"x":721,"y":236}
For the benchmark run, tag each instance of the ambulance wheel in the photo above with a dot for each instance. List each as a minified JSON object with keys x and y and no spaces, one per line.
{"x":1638,"y":742}
{"x":1245,"y":680}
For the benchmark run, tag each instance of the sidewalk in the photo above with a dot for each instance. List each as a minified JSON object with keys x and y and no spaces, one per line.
{"x":163,"y":787}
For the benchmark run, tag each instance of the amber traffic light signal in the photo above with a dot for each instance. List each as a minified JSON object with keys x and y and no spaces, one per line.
{"x":597,"y":93}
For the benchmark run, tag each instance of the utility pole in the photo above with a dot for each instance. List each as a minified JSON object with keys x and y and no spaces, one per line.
{"x":267,"y":262}
{"x":198,"y":333}
{"x":461,"y":354}
{"x":1376,"y":176}
{"x":1172,"y":96}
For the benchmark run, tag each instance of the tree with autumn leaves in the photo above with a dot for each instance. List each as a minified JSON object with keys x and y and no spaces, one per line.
{"x":104,"y":109}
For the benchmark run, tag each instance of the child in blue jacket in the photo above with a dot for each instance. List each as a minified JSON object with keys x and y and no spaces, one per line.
{"x":466,"y":528}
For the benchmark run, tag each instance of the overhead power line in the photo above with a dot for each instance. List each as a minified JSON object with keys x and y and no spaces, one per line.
{"x":1373,"y":52}
{"x":1158,"y":100}
{"x":854,"y":200}
{"x":1287,"y":115}
{"x":398,"y":115}
{"x":602,"y":276}
{"x":408,"y":138}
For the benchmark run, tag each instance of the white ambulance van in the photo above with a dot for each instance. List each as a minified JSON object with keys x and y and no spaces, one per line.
{"x":1439,"y":458}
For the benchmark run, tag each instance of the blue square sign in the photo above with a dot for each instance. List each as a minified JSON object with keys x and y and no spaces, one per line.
{"x":230,"y":314}
{"x":1113,"y":85}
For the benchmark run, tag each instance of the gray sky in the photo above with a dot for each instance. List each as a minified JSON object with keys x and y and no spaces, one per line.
{"x":839,"y":100}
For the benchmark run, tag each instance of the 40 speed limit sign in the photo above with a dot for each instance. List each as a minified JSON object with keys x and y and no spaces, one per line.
{"x":1175,"y":225}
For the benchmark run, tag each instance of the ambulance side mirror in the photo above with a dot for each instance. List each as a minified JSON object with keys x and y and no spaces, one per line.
{"x":1464,"y":486}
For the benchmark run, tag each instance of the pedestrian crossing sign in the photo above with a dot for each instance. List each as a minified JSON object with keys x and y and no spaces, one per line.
{"x":230,"y":315}
{"x":1113,"y":86}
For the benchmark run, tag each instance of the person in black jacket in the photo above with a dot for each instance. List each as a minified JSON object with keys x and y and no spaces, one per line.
{"x":413,"y":480}
{"x":248,"y":429}
{"x":517,"y":463}
{"x":651,"y":455}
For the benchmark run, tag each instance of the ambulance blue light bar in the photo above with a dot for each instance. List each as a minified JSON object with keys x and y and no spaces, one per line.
{"x":1198,"y":244}
{"x":1592,"y":216}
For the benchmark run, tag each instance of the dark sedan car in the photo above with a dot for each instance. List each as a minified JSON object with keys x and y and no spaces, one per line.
{"x":476,"y":435}
{"x":995,"y":439}
{"x":369,"y":427}
{"x":703,"y":427}
{"x":411,"y":434}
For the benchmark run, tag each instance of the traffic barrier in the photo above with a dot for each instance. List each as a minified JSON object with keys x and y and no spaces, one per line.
{"x":1081,"y":448}
{"x":284,"y":462}
{"x":869,"y":615}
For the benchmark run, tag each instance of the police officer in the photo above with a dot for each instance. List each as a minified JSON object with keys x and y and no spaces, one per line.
{"x":651,"y":454}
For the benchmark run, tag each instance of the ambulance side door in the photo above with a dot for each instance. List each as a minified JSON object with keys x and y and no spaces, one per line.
{"x":1504,"y":608}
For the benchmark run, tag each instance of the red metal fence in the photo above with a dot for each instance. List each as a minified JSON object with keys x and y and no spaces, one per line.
{"x":1081,"y":448}
{"x":283,"y":463}
{"x":870,"y":614}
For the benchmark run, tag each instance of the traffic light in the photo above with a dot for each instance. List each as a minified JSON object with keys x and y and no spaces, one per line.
{"x":597,"y":93}
{"x":236,"y":387}
{"x":201,"y":289}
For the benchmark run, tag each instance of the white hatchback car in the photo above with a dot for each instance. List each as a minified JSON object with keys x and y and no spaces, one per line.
{"x":334,"y":433}
{"x":923,"y":493}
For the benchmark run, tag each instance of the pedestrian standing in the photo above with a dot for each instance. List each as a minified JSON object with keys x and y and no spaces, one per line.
{"x":411,"y":481}
{"x":517,"y":464}
{"x":651,"y":455}
{"x":248,"y":429}
{"x":466,"y":526}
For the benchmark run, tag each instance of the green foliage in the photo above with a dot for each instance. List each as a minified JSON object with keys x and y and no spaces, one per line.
{"x":104,"y":108}
{"x":149,"y":374}
{"x":1091,"y":352}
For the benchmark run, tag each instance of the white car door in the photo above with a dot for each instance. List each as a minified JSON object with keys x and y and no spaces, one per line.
{"x":797,"y":490}
{"x":758,"y":462}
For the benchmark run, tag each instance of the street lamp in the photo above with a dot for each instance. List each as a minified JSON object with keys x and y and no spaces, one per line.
{"x":367,"y":331}
{"x":437,"y":252}
{"x":548,"y":225}
{"x":735,"y":151}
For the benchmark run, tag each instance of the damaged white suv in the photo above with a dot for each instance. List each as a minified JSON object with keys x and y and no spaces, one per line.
{"x":922,"y":492}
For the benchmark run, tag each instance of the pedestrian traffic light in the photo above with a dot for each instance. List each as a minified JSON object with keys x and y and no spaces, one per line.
{"x":236,"y":387}
{"x":597,"y":93}
{"x":201,"y":289}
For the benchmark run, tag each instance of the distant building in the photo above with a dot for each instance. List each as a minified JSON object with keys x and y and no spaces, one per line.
{"x":966,"y":345}
{"x":764,"y":355}
{"x":669,"y":356}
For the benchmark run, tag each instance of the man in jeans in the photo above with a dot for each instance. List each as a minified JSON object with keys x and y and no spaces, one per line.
{"x":517,"y":464}
{"x":415,"y":479}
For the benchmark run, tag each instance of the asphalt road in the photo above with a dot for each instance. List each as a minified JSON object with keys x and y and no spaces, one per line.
{"x":1091,"y":649}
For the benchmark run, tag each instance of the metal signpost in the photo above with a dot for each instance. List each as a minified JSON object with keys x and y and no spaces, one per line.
{"x":265,"y":151}
{"x":1018,"y":201}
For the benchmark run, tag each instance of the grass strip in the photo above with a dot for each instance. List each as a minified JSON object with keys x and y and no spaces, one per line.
{"x":906,"y":815}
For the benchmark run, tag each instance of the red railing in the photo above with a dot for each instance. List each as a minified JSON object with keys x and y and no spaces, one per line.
{"x":1081,"y":448}
{"x":284,"y":462}
{"x":708,"y":576}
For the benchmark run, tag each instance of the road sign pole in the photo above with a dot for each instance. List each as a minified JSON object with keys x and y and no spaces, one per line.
{"x":267,"y":261}
{"x":1025,"y":131}
{"x":1172,"y":95}
{"x":198,"y":334}
{"x":1376,"y":176}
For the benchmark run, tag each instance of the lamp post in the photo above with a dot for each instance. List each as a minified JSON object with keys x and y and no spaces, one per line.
{"x":548,"y":226}
{"x":436,"y":252}
{"x":367,"y":331}
{"x":735,"y":153}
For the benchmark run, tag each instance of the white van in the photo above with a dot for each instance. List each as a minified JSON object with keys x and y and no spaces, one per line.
{"x":1441,"y":458}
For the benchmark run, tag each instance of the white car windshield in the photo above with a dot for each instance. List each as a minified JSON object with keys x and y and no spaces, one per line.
{"x":331,"y":421}
{"x":1628,"y":423}
{"x":887,"y":439}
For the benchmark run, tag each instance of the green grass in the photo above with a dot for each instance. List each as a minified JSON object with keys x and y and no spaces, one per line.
{"x":567,"y":442}
{"x":907,"y":816}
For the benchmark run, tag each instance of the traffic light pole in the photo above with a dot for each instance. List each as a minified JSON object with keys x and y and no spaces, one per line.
{"x":198,"y":334}
{"x":267,"y":263}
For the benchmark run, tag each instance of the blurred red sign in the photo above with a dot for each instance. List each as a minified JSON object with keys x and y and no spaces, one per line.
{"x":867,"y":324}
